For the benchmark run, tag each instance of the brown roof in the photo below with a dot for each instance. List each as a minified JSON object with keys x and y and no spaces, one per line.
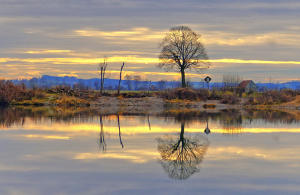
{"x":244,"y":83}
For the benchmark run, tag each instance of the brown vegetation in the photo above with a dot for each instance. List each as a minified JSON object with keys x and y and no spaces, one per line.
{"x":271,"y":97}
{"x":185,"y":94}
{"x":71,"y":101}
{"x":10,"y":93}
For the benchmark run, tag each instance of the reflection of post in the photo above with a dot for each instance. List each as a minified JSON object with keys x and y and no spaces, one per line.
{"x":120,"y":137}
{"x":180,"y":157}
{"x":149,"y":125}
{"x":207,"y":130}
{"x":102,"y":138}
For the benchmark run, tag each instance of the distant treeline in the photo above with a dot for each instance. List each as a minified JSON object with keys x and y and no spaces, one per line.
{"x":135,"y":83}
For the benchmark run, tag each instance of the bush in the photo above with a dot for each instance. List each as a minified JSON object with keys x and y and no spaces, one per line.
{"x":185,"y":94}
{"x":10,"y":92}
{"x":272,"y":97}
{"x":215,"y":95}
{"x":71,"y":101}
{"x":230,"y":99}
{"x":203,"y":94}
{"x":134,"y":95}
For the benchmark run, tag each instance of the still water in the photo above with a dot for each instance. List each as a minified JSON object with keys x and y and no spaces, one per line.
{"x":226,"y":152}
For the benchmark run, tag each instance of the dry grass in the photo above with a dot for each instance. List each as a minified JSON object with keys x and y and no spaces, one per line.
{"x":71,"y":101}
{"x":295,"y":102}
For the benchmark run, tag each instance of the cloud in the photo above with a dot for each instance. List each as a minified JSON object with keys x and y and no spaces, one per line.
{"x":59,"y":37}
{"x":48,"y":51}
{"x":232,"y":39}
{"x":133,"y":59}
{"x":134,"y":34}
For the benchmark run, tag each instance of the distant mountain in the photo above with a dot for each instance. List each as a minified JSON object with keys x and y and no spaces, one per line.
{"x":47,"y":81}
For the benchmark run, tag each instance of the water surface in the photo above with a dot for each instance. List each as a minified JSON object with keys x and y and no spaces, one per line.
{"x":228,"y":152}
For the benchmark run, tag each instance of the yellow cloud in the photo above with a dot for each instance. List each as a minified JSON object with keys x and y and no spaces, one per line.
{"x":209,"y":37}
{"x":47,"y":51}
{"x":134,"y":34}
{"x":231,"y":39}
{"x":132,"y":59}
{"x":240,"y":61}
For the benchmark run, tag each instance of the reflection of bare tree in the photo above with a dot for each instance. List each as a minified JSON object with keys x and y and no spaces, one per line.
{"x":102,"y":143}
{"x":181,"y":157}
{"x":149,"y":124}
{"x":120,"y":137}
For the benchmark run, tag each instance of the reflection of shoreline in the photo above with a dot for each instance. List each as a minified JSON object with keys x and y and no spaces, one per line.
{"x":181,"y":157}
{"x":232,"y":121}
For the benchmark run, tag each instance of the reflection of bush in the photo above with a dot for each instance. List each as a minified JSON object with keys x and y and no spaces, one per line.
{"x":181,"y":156}
{"x":17,"y":115}
{"x":272,"y":116}
{"x":8,"y":117}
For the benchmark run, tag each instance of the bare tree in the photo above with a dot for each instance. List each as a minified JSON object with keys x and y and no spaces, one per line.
{"x":231,"y":81}
{"x":128,"y":81}
{"x":119,"y":86}
{"x":149,"y":86}
{"x":137,"y":79}
{"x":162,"y":84}
{"x":102,"y":68}
{"x":182,"y":50}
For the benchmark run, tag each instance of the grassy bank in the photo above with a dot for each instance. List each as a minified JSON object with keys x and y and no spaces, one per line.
{"x":11,"y":94}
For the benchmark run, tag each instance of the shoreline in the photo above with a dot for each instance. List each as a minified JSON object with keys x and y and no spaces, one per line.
{"x":156,"y":105}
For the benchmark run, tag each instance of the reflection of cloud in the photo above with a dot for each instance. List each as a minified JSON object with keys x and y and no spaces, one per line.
{"x":35,"y":136}
{"x":136,"y":156}
{"x":87,"y":128}
{"x":229,"y":152}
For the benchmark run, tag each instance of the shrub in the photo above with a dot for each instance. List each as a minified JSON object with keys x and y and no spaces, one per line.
{"x":215,"y":95}
{"x":272,"y":97}
{"x":185,"y":94}
{"x":10,"y":92}
{"x":203,"y":94}
{"x":71,"y":101}
{"x":230,"y":99}
{"x":134,"y":95}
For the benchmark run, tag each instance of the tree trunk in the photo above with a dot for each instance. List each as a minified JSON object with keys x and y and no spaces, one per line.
{"x":120,"y":78}
{"x":182,"y":136}
{"x":101,"y":82}
{"x":183,"y":84}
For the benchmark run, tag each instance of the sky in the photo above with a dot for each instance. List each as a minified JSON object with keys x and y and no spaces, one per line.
{"x":257,"y":40}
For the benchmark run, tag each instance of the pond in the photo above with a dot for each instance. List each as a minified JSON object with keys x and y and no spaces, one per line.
{"x":86,"y":152}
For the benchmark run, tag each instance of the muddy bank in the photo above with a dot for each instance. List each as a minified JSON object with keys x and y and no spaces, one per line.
{"x":152,"y":105}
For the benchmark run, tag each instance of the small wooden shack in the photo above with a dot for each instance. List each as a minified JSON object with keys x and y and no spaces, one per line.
{"x":248,"y":86}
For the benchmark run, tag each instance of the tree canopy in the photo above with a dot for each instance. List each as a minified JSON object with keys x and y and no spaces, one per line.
{"x":182,"y":49}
